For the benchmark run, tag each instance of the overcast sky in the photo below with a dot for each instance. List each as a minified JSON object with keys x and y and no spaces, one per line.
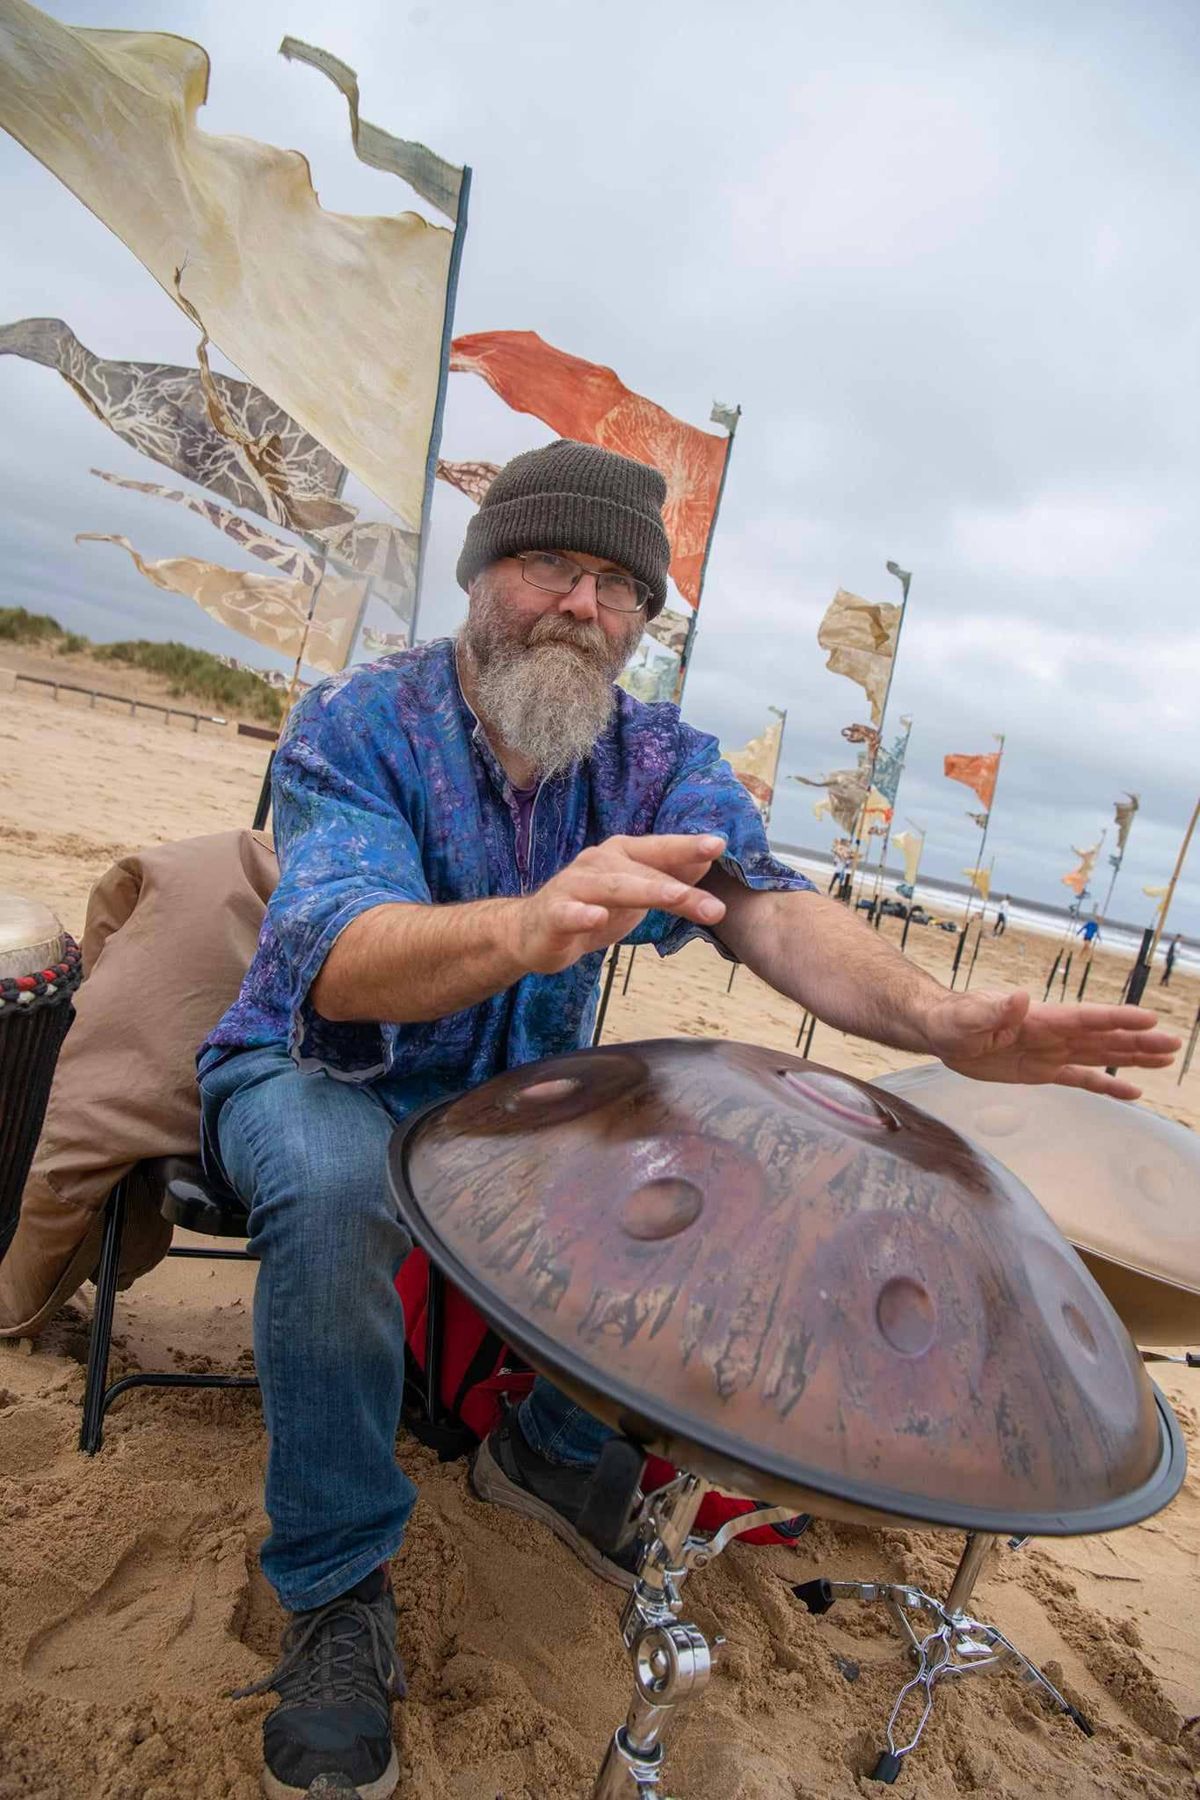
{"x":945,"y":257}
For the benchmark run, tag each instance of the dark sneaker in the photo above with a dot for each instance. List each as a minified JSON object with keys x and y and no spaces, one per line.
{"x":507,"y":1472}
{"x":339,"y":1673}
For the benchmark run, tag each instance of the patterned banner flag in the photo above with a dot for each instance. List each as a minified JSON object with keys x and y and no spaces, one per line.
{"x":910,"y":844}
{"x":1123,"y":811}
{"x":877,"y":813}
{"x":162,"y":410}
{"x":384,"y":643}
{"x":272,"y":611}
{"x":860,"y":636}
{"x":384,"y":554}
{"x":889,"y":764}
{"x":435,"y":180}
{"x":338,"y":317}
{"x":470,"y":478}
{"x":756,"y":764}
{"x":980,"y":879}
{"x":977,"y":772}
{"x":286,"y":558}
{"x":590,"y":403}
{"x":653,"y":672}
{"x":845,"y":793}
{"x":862,"y":734}
{"x":1078,"y":879}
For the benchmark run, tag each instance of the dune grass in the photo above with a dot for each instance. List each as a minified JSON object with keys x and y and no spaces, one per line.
{"x":190,"y":672}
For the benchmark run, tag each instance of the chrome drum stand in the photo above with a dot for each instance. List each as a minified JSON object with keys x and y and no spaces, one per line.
{"x":672,"y":1660}
{"x":959,"y":1644}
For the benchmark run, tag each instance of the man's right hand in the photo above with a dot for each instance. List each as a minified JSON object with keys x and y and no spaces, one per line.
{"x":607,"y":891}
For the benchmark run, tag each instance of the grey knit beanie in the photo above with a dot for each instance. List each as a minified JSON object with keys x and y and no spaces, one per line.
{"x":571,"y":496}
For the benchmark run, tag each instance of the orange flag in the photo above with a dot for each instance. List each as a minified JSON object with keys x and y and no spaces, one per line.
{"x":585,"y":401}
{"x":978,"y":772}
{"x":1078,"y":879}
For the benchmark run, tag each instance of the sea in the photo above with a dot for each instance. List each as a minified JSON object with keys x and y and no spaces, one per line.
{"x":948,"y":899}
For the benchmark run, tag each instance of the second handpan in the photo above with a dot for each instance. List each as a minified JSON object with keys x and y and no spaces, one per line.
{"x":1121,"y":1184}
{"x":792,"y":1284}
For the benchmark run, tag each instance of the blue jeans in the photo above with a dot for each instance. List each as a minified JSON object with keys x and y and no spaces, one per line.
{"x":307,"y":1154}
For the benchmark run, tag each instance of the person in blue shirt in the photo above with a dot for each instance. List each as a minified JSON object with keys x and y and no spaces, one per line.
{"x":463,"y":830}
{"x":1089,"y":931}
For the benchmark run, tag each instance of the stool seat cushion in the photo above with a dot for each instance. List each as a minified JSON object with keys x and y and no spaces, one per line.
{"x":192,"y":1198}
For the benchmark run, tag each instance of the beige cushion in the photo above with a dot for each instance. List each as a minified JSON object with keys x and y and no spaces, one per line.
{"x":169,"y":934}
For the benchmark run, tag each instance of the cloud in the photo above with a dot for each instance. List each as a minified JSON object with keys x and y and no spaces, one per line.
{"x":944,"y":256}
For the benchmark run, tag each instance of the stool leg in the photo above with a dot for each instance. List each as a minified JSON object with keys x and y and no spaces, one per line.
{"x":102,"y":1322}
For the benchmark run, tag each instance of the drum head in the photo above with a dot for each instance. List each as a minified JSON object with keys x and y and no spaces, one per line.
{"x":1119,"y":1182}
{"x":792,"y":1284}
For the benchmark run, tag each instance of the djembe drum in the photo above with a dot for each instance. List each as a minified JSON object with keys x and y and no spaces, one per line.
{"x":794,"y":1287}
{"x":39,"y":972}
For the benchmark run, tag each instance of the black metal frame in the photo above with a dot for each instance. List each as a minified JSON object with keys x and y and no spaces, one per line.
{"x":99,"y":1393}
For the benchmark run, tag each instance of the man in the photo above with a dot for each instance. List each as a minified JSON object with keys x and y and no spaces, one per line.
{"x":1001,"y":924}
{"x":1089,"y":931}
{"x":463,"y":830}
{"x":1169,"y":961}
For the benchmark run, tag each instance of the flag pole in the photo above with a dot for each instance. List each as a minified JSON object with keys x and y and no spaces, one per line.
{"x":685,"y":655}
{"x":1164,"y":909}
{"x":439,"y":405}
{"x":1139,"y":975}
{"x":904,"y":577}
{"x":987,"y":825}
{"x":979,"y":933}
{"x":263,"y":810}
{"x":883,"y":842}
{"x":781,"y":715}
{"x":912,"y":900}
{"x":1089,"y":948}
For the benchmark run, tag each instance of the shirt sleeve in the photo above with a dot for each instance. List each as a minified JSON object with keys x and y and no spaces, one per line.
{"x":343,"y":811}
{"x":706,"y":795}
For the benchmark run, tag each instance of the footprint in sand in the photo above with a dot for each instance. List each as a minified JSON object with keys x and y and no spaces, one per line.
{"x":164,"y":1618}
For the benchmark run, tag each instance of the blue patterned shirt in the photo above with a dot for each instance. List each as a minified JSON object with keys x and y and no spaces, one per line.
{"x":385,"y":788}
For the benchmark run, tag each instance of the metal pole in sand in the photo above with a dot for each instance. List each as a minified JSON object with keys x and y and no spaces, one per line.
{"x":987,"y":821}
{"x":913,"y":896}
{"x":1191,"y":1049}
{"x":263,"y":809}
{"x":731,"y":416}
{"x":1139,"y":975}
{"x":604,"y":998}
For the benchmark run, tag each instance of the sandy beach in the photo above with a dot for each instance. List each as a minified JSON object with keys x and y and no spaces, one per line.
{"x":132,"y":1599}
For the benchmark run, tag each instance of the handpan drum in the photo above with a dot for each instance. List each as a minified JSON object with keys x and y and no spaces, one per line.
{"x":793,"y":1285}
{"x":1120,"y":1183}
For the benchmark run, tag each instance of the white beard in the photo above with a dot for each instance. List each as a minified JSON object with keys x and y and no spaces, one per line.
{"x":548,"y":695}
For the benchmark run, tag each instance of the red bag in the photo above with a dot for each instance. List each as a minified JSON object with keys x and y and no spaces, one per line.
{"x":460,"y":1375}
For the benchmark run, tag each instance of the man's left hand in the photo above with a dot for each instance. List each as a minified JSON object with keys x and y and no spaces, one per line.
{"x":1009,"y":1037}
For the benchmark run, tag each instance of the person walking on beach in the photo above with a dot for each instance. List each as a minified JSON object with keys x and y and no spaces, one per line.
{"x":464,"y":829}
{"x":1090,"y":932}
{"x":1001,"y":924}
{"x":1169,"y":967}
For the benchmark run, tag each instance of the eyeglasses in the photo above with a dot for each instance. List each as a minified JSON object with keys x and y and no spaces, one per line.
{"x":556,"y":575}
